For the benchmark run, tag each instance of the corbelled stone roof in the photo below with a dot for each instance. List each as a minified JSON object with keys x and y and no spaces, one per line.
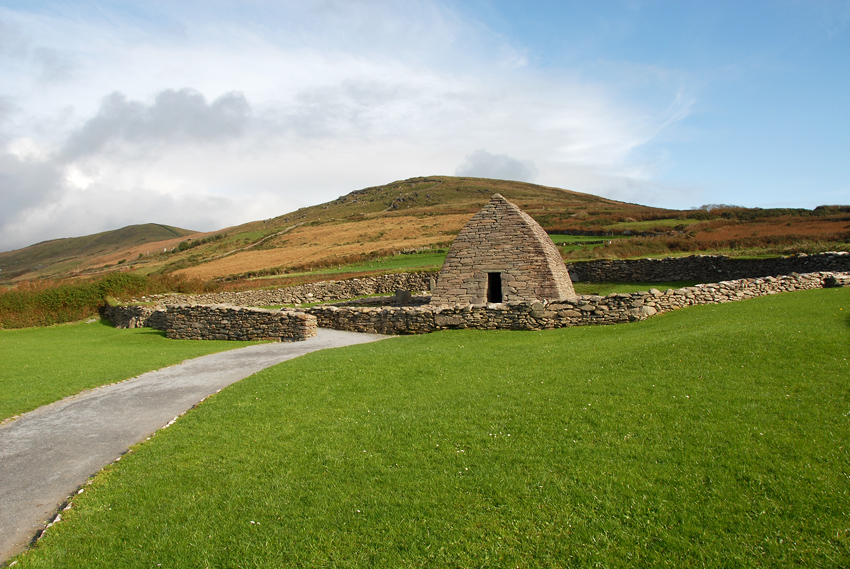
{"x":502,"y":239}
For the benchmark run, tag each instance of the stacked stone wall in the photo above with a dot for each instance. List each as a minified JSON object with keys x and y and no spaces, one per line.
{"x":313,"y":292}
{"x":583,"y":311}
{"x":223,"y":322}
{"x":705,"y":268}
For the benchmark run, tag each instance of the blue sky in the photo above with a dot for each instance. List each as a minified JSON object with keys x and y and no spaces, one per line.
{"x":208,"y":114}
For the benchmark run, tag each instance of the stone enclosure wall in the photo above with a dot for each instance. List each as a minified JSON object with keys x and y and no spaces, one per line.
{"x":313,"y":292}
{"x":584,"y":310}
{"x":705,"y":268}
{"x":223,"y":322}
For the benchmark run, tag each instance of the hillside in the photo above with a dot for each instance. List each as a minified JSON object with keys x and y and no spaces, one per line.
{"x":65,"y":257}
{"x":419,"y":213}
{"x":425,"y":213}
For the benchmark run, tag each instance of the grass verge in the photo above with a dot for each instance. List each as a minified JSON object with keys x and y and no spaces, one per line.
{"x":714,"y":436}
{"x":43,"y":365}
{"x":602,"y":289}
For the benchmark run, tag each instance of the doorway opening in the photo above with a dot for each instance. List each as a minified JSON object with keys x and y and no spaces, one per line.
{"x":494,"y":287}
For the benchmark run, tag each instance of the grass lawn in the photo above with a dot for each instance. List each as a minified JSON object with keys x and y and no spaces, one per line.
{"x":715,"y":436}
{"x":43,"y":365}
{"x":602,"y":289}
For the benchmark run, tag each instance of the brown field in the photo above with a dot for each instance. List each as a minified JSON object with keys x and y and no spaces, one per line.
{"x":813,"y":228}
{"x":307,"y":244}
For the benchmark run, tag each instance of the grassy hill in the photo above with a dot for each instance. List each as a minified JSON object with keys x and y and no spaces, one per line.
{"x":426,"y":213}
{"x":64,"y":257}
{"x":414,"y":214}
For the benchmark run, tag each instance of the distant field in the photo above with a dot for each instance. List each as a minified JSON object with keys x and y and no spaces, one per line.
{"x":648,"y":225}
{"x":401,"y":262}
{"x":570,"y":243}
{"x":559,"y":239}
{"x":714,"y":436}
{"x":340,"y":239}
{"x":43,"y":365}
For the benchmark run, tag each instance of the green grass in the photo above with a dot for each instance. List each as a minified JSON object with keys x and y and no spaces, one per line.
{"x":715,"y":436}
{"x":43,"y":365}
{"x":602,"y":289}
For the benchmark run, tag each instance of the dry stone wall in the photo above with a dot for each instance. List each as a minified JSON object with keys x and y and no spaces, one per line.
{"x":223,"y":322}
{"x":524,"y":315}
{"x":313,"y":292}
{"x":583,"y":311}
{"x":705,"y":268}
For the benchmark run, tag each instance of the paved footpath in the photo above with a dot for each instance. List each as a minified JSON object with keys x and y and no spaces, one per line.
{"x":47,"y":454}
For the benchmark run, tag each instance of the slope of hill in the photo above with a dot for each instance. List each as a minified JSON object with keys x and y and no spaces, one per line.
{"x":419,"y":214}
{"x":64,"y":257}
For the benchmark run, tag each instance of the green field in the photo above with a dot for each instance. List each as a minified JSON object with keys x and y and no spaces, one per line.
{"x":393,"y":263}
{"x":43,"y":365}
{"x":714,"y":436}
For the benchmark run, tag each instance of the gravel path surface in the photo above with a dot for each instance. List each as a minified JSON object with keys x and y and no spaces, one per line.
{"x":47,"y":454}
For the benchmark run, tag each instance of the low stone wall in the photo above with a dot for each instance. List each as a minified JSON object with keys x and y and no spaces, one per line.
{"x":585,"y":310}
{"x":135,"y":316}
{"x":223,"y":322}
{"x":313,"y":292}
{"x":705,"y":268}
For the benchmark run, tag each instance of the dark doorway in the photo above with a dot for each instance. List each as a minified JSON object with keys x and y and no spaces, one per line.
{"x":494,"y":287}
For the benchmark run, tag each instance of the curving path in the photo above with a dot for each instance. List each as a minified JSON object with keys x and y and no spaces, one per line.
{"x":47,"y":454}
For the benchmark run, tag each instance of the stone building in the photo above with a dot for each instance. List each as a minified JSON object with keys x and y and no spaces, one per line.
{"x":502,"y":255}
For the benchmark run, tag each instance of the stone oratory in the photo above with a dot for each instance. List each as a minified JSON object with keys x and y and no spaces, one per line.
{"x":502,"y":255}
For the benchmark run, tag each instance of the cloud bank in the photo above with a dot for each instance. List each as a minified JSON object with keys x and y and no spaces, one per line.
{"x":204,"y":118}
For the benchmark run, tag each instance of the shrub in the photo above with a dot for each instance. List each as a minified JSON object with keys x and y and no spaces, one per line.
{"x":45,"y":303}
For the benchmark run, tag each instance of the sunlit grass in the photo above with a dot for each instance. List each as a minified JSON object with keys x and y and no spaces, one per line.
{"x":714,"y":436}
{"x":602,"y":289}
{"x":42,"y":365}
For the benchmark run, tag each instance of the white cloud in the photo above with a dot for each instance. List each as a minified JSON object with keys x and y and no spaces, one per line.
{"x":482,"y":164}
{"x":175,"y":115}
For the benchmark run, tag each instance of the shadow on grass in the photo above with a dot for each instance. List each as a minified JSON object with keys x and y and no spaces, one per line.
{"x":153,"y":332}
{"x":148,"y":331}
